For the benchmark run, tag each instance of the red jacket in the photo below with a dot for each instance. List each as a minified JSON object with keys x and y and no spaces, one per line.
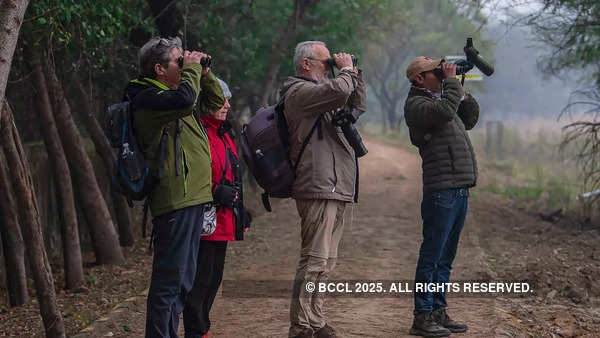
{"x":226,"y":224}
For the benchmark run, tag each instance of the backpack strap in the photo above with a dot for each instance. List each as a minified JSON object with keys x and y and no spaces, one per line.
{"x":307,"y":140}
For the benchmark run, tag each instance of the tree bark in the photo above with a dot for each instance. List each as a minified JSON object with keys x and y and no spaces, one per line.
{"x":104,"y":236}
{"x":12,"y":240}
{"x":167,"y":16}
{"x":32,"y":227}
{"x":11,"y":17}
{"x":69,"y":228}
{"x":283,"y":45}
{"x":108,"y":156}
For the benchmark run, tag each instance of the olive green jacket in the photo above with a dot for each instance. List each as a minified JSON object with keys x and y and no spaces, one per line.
{"x":186,"y":171}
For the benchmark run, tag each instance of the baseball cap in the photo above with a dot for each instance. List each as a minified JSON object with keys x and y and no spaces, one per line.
{"x":421,"y":64}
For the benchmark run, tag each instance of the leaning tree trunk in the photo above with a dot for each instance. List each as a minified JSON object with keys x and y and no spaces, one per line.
{"x":12,"y":240}
{"x":62,"y":174}
{"x":11,"y":17}
{"x":104,"y":236}
{"x":108,"y":156}
{"x":32,"y":227}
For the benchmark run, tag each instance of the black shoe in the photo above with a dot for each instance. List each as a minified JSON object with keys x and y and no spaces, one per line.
{"x":325,"y":332}
{"x":306,"y":333}
{"x":425,"y":325}
{"x":444,"y":320}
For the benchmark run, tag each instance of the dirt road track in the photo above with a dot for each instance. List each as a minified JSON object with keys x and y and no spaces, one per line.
{"x":381,"y":240}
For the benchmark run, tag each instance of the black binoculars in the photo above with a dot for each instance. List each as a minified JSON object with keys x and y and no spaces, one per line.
{"x":331,"y":62}
{"x":205,"y":62}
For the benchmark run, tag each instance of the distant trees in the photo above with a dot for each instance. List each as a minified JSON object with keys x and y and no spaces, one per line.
{"x":571,"y":30}
{"x":413,"y":28}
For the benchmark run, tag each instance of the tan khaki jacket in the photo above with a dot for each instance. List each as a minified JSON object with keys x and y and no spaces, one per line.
{"x":328,"y":168}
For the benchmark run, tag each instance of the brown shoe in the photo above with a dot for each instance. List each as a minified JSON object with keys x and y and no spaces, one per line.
{"x":306,"y":333}
{"x":325,"y":332}
{"x":444,"y":320}
{"x":425,"y":325}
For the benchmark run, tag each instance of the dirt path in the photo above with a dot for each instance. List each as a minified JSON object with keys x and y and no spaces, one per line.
{"x":381,"y":240}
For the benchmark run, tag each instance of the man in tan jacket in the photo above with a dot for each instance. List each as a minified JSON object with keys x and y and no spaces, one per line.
{"x":326,"y":175}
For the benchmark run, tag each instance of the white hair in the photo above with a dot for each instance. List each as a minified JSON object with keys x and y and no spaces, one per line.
{"x":303,"y":50}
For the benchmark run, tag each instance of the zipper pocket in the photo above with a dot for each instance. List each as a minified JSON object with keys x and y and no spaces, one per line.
{"x":186,"y":170}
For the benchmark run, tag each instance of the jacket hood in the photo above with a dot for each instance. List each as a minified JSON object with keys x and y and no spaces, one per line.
{"x":132,"y":90}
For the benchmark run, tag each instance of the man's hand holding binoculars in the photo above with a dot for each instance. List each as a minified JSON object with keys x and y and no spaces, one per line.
{"x":449,"y":70}
{"x":197,"y":57}
{"x":343,"y":60}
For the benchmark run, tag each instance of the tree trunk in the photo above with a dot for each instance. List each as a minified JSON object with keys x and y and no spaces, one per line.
{"x":32,"y":227}
{"x":104,"y":236}
{"x":11,"y":17}
{"x":107,"y":154}
{"x":70,"y":229}
{"x":282,"y":46}
{"x":12,"y":240}
{"x":167,"y":16}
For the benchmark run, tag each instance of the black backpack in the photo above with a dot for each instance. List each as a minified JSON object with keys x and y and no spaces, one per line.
{"x":132,"y":176}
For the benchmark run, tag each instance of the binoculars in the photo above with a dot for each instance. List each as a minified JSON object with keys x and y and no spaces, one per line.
{"x":205,"y":62}
{"x":331,"y":62}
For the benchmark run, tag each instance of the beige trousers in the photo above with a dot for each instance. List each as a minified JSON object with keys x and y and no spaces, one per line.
{"x":322,"y":224}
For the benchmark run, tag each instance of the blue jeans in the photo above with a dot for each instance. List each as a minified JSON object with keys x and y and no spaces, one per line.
{"x":177,"y":241}
{"x":443,"y":213}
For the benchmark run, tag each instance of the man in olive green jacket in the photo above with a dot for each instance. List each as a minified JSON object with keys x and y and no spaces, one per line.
{"x":438,"y":113}
{"x":326,"y":175}
{"x":163,"y":100}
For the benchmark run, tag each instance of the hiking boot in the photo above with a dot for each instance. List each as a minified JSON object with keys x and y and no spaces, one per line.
{"x":306,"y":333}
{"x":425,"y":325}
{"x":444,"y":320}
{"x":325,"y":332}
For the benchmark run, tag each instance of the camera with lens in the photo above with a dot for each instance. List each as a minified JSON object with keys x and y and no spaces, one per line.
{"x":345,"y":120}
{"x":226,"y":193}
{"x":473,"y":60}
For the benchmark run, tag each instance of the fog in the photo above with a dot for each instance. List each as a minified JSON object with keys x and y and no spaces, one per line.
{"x":518,"y":88}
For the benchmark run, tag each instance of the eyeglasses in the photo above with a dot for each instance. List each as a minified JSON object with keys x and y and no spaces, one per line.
{"x":323,"y":61}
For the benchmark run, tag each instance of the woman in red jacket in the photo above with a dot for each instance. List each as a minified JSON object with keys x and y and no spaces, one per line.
{"x":232,"y":219}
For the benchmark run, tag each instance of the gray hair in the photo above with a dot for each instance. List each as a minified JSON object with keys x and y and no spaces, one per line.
{"x":303,"y":50}
{"x":156,"y":50}
{"x":225,"y":88}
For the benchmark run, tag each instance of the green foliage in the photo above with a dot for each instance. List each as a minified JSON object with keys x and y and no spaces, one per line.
{"x":87,"y":27}
{"x":571,"y":28}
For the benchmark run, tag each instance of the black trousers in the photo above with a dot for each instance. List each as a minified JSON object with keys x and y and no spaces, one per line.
{"x":174,"y":269}
{"x":211,"y":261}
